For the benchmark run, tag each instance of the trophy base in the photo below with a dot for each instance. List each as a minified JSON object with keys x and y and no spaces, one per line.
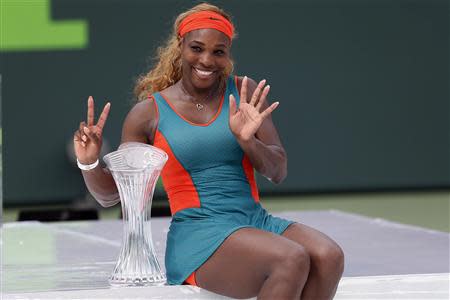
{"x":157,"y":280}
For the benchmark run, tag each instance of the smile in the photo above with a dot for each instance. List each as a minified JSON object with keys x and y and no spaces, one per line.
{"x":202,"y":73}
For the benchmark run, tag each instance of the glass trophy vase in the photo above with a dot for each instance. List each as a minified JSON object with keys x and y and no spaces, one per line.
{"x":135,"y":168}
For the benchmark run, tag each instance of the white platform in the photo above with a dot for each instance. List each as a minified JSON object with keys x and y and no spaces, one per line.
{"x":419,"y":286}
{"x":73,"y":260}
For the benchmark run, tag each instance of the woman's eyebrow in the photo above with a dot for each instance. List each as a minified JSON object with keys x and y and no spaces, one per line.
{"x":216,"y":45}
{"x":198,"y":42}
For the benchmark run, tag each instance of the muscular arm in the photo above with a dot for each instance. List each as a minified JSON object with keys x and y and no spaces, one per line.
{"x":138,"y":126}
{"x":101,"y":185}
{"x":265,"y":150}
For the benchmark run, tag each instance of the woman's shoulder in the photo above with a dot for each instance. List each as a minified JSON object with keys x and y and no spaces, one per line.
{"x":141,"y":121}
{"x":144,"y":108}
{"x":171,"y":92}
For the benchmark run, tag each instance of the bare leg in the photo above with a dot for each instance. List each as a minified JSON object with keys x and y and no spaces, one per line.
{"x":327,"y":261}
{"x":252,"y":262}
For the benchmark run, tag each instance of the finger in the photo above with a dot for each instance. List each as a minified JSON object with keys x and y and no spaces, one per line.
{"x":263,"y":97}
{"x":90,"y":113}
{"x":269,"y":110}
{"x":80,"y":128}
{"x":77,"y":136}
{"x":81,"y":135}
{"x":90,"y":135}
{"x":244,"y":89}
{"x":77,"y":139}
{"x":232,"y":105}
{"x":257,"y":92}
{"x":103,"y":117}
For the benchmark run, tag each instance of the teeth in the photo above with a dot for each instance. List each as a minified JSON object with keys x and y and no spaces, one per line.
{"x":204,"y":73}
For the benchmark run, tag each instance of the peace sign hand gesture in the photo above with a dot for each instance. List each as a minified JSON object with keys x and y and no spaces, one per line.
{"x":246,"y":120}
{"x":87,"y":139}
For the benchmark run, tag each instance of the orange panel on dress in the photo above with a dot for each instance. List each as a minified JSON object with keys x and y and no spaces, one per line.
{"x":249,"y":173}
{"x":191,"y":279}
{"x":176,"y":180}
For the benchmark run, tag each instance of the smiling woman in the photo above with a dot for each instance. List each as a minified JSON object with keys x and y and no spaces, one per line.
{"x":168,"y":69}
{"x":216,"y":129}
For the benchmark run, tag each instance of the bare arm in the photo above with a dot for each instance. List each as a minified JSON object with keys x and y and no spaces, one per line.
{"x":101,"y":185}
{"x":263,"y":148}
{"x":137,"y":128}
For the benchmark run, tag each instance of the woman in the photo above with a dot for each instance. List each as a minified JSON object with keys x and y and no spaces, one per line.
{"x":216,"y":129}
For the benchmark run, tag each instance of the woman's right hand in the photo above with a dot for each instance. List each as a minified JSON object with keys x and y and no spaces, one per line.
{"x":87,"y":139}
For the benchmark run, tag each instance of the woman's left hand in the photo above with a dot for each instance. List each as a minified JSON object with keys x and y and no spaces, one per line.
{"x":246,"y":120}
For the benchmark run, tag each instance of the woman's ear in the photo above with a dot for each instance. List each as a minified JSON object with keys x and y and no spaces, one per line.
{"x":230,"y":67}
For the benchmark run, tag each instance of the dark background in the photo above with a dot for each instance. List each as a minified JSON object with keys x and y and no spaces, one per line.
{"x":363,"y":90}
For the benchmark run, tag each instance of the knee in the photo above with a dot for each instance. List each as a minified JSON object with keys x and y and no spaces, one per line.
{"x":290,"y":266}
{"x":331,"y":257}
{"x":296,"y":260}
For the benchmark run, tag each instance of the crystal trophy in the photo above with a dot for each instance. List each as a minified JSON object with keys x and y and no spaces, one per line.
{"x":135,"y":168}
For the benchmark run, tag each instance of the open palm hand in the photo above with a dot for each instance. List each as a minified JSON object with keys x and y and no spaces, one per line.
{"x":246,"y":120}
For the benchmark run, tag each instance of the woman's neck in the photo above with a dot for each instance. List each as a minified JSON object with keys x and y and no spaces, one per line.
{"x":198,"y":94}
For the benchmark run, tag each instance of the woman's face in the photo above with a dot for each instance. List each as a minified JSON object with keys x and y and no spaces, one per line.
{"x":204,"y":55}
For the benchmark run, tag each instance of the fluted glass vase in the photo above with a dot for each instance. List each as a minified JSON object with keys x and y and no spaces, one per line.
{"x":135,"y":168}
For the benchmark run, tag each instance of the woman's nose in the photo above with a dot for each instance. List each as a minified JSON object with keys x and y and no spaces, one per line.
{"x":206,"y":60}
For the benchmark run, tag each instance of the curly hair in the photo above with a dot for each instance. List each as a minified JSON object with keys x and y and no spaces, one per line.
{"x":167,"y":70}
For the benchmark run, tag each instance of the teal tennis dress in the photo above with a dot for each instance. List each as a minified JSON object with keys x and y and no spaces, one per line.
{"x":210,"y":184}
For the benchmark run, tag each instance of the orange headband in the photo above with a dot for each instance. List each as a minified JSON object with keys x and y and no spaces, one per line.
{"x":206,"y":19}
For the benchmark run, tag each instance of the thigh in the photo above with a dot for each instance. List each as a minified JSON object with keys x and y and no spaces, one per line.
{"x":315,"y":242}
{"x":242,"y":263}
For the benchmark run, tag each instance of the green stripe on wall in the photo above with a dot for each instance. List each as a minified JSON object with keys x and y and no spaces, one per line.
{"x":27,"y":26}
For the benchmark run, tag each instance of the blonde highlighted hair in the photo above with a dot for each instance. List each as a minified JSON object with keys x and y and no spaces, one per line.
{"x":167,"y":70}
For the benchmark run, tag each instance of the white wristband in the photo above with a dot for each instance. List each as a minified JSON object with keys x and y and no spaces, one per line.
{"x":87,"y":167}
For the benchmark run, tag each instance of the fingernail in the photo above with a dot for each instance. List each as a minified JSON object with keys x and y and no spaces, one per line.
{"x":86,"y":129}
{"x":268,"y":87}
{"x":84,"y":138}
{"x":245,"y":77}
{"x":83,"y":144}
